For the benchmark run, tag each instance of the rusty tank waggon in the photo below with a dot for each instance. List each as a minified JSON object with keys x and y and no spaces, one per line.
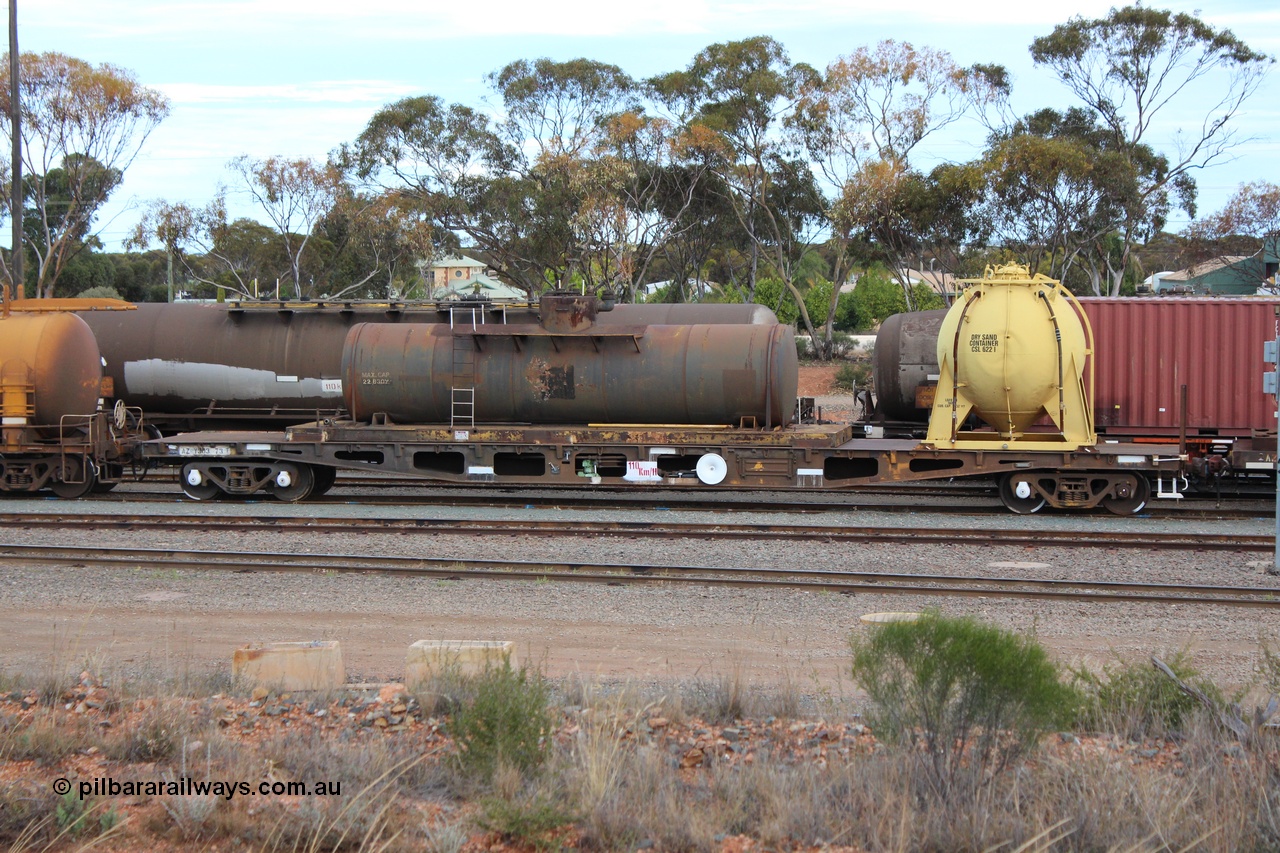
{"x":567,"y":378}
{"x":264,"y":364}
{"x":53,"y":433}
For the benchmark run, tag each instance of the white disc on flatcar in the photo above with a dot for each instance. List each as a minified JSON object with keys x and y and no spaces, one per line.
{"x":284,"y":479}
{"x":1023,"y":489}
{"x":194,"y":477}
{"x":712,"y":469}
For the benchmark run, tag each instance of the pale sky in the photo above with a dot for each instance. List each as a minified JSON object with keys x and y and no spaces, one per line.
{"x":296,"y":78}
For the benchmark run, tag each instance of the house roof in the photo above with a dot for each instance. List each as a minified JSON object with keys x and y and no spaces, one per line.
{"x":454,"y":261}
{"x":483,"y":284}
{"x":938,"y":281}
{"x":1204,"y":268}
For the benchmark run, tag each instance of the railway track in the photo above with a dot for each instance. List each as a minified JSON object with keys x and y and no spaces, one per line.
{"x":658,"y":528}
{"x":841,"y":582}
{"x":603,"y":498}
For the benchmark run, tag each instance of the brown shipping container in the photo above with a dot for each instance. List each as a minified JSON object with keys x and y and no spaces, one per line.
{"x":1147,"y":349}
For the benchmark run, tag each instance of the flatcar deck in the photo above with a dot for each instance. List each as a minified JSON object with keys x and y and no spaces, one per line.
{"x":806,"y":457}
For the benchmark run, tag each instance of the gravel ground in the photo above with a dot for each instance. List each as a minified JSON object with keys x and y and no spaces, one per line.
{"x":167,"y":622}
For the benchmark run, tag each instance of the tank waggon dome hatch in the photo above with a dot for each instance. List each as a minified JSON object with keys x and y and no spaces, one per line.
{"x":1012,"y":351}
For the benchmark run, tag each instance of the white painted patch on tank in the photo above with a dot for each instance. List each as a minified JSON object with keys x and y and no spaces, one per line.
{"x":201,"y":381}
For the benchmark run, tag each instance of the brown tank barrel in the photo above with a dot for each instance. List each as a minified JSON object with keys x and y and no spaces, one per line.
{"x":180,"y":358}
{"x":49,"y":368}
{"x":906,"y":356}
{"x":184,"y":358}
{"x":701,"y":374}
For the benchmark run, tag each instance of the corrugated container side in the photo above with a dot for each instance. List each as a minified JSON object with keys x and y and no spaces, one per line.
{"x":1147,"y":349}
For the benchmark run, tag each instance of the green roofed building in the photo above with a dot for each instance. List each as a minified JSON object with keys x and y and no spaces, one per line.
{"x":462,"y":277}
{"x":1231,"y":275}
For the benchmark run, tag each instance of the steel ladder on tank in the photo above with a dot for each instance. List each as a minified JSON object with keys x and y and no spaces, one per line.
{"x":462,"y":408}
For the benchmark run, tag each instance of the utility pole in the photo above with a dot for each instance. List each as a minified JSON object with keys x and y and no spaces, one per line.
{"x":15,"y":118}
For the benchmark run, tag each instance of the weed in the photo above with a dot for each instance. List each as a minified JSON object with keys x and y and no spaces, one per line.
{"x":600,"y":748}
{"x":528,"y":820}
{"x":1136,"y":700}
{"x":964,"y":696}
{"x":446,"y":689}
{"x":71,"y":814}
{"x":1270,"y":669}
{"x":444,"y":838}
{"x":722,"y":699}
{"x":47,"y":738}
{"x":369,"y":818}
{"x":23,"y":809}
{"x":191,"y":812}
{"x":154,"y":735}
{"x":508,"y":722}
{"x":853,"y":375}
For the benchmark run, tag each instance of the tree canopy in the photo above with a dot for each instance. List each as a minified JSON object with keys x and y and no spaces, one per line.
{"x":740,"y":173}
{"x":82,"y":126}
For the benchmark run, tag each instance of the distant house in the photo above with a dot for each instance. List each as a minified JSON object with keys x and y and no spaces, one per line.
{"x":942,"y":283}
{"x":462,"y":277}
{"x":1230,"y":275}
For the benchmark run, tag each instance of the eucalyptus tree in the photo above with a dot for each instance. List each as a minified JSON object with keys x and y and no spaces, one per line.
{"x":733,"y":98}
{"x":860,"y":122}
{"x":295,"y":194}
{"x":509,"y":184}
{"x":636,"y":192}
{"x":242,"y":256}
{"x":1056,"y":185}
{"x":82,"y":127}
{"x":377,"y":241}
{"x":1131,"y":69}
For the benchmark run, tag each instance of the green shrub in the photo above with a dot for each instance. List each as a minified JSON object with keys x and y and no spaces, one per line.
{"x":1136,"y":700}
{"x":963,"y":696}
{"x":71,"y":814}
{"x":852,"y":375}
{"x":99,"y":292}
{"x":1270,"y":669}
{"x":506,"y":724}
{"x":529,"y":820}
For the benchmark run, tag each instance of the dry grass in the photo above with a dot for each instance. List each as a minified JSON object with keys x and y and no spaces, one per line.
{"x":613,"y":782}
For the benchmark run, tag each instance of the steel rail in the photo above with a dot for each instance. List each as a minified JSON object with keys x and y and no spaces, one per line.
{"x":844,"y":582}
{"x":658,"y":528}
{"x":609,"y":498}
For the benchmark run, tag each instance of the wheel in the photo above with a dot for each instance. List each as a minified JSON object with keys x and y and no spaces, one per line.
{"x":196,"y":486}
{"x":325,"y":475}
{"x":78,"y":480}
{"x":1129,"y":496}
{"x":1018,"y":494}
{"x":292,"y":483}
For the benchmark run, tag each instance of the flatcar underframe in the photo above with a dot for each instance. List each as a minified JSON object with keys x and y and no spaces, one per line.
{"x":302,"y":460}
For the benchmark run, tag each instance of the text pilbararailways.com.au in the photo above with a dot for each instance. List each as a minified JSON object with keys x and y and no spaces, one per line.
{"x":186,"y":786}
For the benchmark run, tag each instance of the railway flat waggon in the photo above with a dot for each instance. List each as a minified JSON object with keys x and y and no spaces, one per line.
{"x":460,"y":432}
{"x":1178,"y":372}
